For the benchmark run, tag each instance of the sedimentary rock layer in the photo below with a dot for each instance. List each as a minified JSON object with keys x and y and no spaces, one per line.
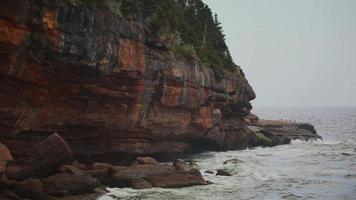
{"x":83,"y":72}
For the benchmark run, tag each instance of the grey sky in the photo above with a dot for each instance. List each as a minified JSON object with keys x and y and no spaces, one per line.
{"x":294,"y":52}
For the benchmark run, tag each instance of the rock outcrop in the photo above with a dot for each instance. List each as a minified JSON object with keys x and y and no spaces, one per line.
{"x":61,"y":178}
{"x":98,"y":79}
{"x":277,"y":132}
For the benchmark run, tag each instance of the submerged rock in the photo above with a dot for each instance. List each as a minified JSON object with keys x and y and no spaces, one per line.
{"x":222,"y":172}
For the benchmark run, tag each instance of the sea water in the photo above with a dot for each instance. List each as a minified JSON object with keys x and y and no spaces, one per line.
{"x":300,"y":170}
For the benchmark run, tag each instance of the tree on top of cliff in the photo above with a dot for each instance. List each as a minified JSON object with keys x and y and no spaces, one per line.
{"x":191,"y":21}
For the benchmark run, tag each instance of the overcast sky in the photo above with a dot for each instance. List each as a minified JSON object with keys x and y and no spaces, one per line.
{"x":293,"y":52}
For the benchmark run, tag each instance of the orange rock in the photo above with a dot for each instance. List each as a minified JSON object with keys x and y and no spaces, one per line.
{"x":11,"y":33}
{"x":131,"y":56}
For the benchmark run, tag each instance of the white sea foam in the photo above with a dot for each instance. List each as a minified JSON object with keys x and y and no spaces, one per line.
{"x":302,"y":170}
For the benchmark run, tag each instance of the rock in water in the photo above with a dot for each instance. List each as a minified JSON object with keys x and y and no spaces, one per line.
{"x":157,"y":176}
{"x":69,"y":184}
{"x":177,"y":179}
{"x":47,"y":157}
{"x":222,"y":172}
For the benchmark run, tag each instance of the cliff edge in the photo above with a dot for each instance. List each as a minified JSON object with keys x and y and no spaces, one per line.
{"x":115,"y":82}
{"x":108,"y":86}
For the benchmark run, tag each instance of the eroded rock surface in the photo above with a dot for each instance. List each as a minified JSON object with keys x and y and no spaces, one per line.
{"x":82,"y":71}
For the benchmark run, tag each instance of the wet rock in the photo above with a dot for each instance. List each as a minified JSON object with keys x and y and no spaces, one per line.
{"x":158,"y":176}
{"x":233,"y":161}
{"x":209,"y":172}
{"x":140,"y":184}
{"x":262,"y":140}
{"x":147,"y":160}
{"x":29,"y":188}
{"x":69,"y":184}
{"x":347,"y":154}
{"x":47,"y":157}
{"x":177,"y":179}
{"x":100,"y":166}
{"x":223,"y":172}
{"x":71,"y":169}
{"x":181,"y":165}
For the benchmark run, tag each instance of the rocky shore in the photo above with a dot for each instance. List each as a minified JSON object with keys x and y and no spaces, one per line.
{"x":53,"y":173}
{"x":120,"y":97}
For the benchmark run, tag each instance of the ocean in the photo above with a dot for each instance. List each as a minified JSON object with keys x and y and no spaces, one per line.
{"x":300,"y":170}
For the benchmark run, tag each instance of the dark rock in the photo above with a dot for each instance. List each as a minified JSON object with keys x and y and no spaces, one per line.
{"x":222,"y":172}
{"x":69,"y":184}
{"x":3,"y":181}
{"x":177,"y":179}
{"x":9,"y":195}
{"x":147,"y":160}
{"x":209,"y":172}
{"x":347,"y":154}
{"x":12,"y":171}
{"x":233,"y":161}
{"x":47,"y":157}
{"x":181,"y":165}
{"x":71,"y":169}
{"x":100,"y":166}
{"x":29,"y":188}
{"x":140,"y":184}
{"x":157,"y":176}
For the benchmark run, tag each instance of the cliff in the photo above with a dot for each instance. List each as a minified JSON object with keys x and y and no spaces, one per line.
{"x":108,"y":87}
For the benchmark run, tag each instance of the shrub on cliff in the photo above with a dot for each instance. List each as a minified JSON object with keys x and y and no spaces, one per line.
{"x":192,"y":20}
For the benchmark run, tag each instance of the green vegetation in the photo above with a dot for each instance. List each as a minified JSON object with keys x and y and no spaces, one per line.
{"x":198,"y":31}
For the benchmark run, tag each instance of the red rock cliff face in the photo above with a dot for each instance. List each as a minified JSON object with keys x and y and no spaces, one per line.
{"x":81,"y":71}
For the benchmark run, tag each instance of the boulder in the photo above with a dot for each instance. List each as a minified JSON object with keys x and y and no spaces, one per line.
{"x":124,"y":176}
{"x":138,"y":176}
{"x":12,"y":171}
{"x":3,"y":181}
{"x":223,"y":172}
{"x":177,"y":179}
{"x":181,"y":165}
{"x":71,"y":169}
{"x":146,"y":160}
{"x":232,"y":161}
{"x":30,"y":185}
{"x":140,"y":184}
{"x":47,"y":157}
{"x":100,"y":166}
{"x":65,"y":184}
{"x":209,"y":172}
{"x":30,"y":188}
